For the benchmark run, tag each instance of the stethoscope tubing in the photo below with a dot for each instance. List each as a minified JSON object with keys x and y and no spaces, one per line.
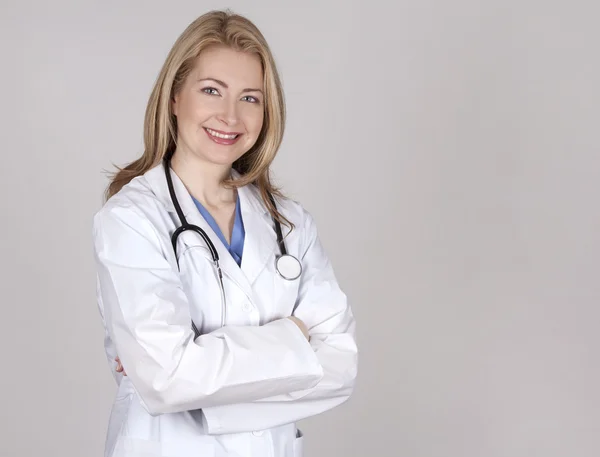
{"x":186,"y":226}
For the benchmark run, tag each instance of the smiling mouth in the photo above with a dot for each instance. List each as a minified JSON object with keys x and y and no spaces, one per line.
{"x":222,"y":135}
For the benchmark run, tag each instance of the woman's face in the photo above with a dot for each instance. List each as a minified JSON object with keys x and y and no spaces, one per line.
{"x":220,"y":108}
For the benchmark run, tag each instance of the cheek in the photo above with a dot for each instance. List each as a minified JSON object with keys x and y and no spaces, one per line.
{"x":191,"y":112}
{"x":254,"y":123}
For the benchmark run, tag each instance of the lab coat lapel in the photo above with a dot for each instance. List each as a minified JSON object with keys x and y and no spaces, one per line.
{"x":260,"y":240}
{"x":228,"y":265}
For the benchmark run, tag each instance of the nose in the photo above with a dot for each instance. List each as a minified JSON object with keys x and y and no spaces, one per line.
{"x":229,"y":113}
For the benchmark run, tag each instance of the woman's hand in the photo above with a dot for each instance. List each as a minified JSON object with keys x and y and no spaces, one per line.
{"x":120,"y":367}
{"x":301,"y":325}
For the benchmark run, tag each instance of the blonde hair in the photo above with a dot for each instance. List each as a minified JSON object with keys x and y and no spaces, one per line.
{"x":160,"y":124}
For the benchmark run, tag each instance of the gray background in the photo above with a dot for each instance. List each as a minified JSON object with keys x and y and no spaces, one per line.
{"x":449,"y":153}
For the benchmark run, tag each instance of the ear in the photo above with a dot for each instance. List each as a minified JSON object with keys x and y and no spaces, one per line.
{"x":174,"y":105}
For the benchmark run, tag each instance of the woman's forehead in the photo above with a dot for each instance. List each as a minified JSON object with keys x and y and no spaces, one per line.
{"x":232,"y":67}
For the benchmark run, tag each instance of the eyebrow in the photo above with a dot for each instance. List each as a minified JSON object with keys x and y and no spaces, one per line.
{"x":221,"y":83}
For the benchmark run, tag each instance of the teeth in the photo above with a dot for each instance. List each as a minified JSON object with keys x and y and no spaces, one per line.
{"x":221,"y":135}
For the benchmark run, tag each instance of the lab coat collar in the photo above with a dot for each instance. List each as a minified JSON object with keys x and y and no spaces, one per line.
{"x":260,"y":240}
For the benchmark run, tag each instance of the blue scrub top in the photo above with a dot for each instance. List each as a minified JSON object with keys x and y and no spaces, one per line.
{"x":237,"y":237}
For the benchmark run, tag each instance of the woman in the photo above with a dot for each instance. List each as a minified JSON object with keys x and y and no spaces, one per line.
{"x":225,"y":341}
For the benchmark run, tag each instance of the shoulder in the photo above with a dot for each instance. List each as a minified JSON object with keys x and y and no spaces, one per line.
{"x":298,"y":215}
{"x":132,"y":207}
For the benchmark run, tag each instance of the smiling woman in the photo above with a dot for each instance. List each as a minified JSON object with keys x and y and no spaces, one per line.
{"x":220,"y":67}
{"x":233,"y":328}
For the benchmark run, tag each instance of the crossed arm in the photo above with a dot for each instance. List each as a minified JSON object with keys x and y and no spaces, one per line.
{"x":243,"y":378}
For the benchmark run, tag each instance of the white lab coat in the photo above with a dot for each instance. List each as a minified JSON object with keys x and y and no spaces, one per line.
{"x":236,"y":390}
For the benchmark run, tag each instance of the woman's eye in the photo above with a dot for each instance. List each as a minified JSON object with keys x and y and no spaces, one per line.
{"x":251,"y":99}
{"x":210,"y":91}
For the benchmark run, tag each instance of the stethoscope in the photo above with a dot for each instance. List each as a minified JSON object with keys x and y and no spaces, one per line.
{"x":286,"y":265}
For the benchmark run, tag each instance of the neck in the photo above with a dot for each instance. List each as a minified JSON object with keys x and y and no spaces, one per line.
{"x":204,"y":181}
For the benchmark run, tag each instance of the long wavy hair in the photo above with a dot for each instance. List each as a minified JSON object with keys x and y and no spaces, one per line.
{"x":160,"y":124}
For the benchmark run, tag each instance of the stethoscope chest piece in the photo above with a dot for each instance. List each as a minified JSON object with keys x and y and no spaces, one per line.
{"x":288,"y":267}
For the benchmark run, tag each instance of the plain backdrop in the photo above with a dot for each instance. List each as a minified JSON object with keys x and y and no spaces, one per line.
{"x":449,"y":152}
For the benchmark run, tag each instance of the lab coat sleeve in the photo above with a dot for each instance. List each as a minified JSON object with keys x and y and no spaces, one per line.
{"x":109,"y":348}
{"x":147,"y":316}
{"x":325,"y":310}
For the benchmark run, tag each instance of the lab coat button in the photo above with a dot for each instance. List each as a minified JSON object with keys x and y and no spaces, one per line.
{"x":258,"y":433}
{"x":247,"y":307}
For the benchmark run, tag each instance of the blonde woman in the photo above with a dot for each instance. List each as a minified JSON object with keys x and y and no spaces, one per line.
{"x":225,"y":324}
